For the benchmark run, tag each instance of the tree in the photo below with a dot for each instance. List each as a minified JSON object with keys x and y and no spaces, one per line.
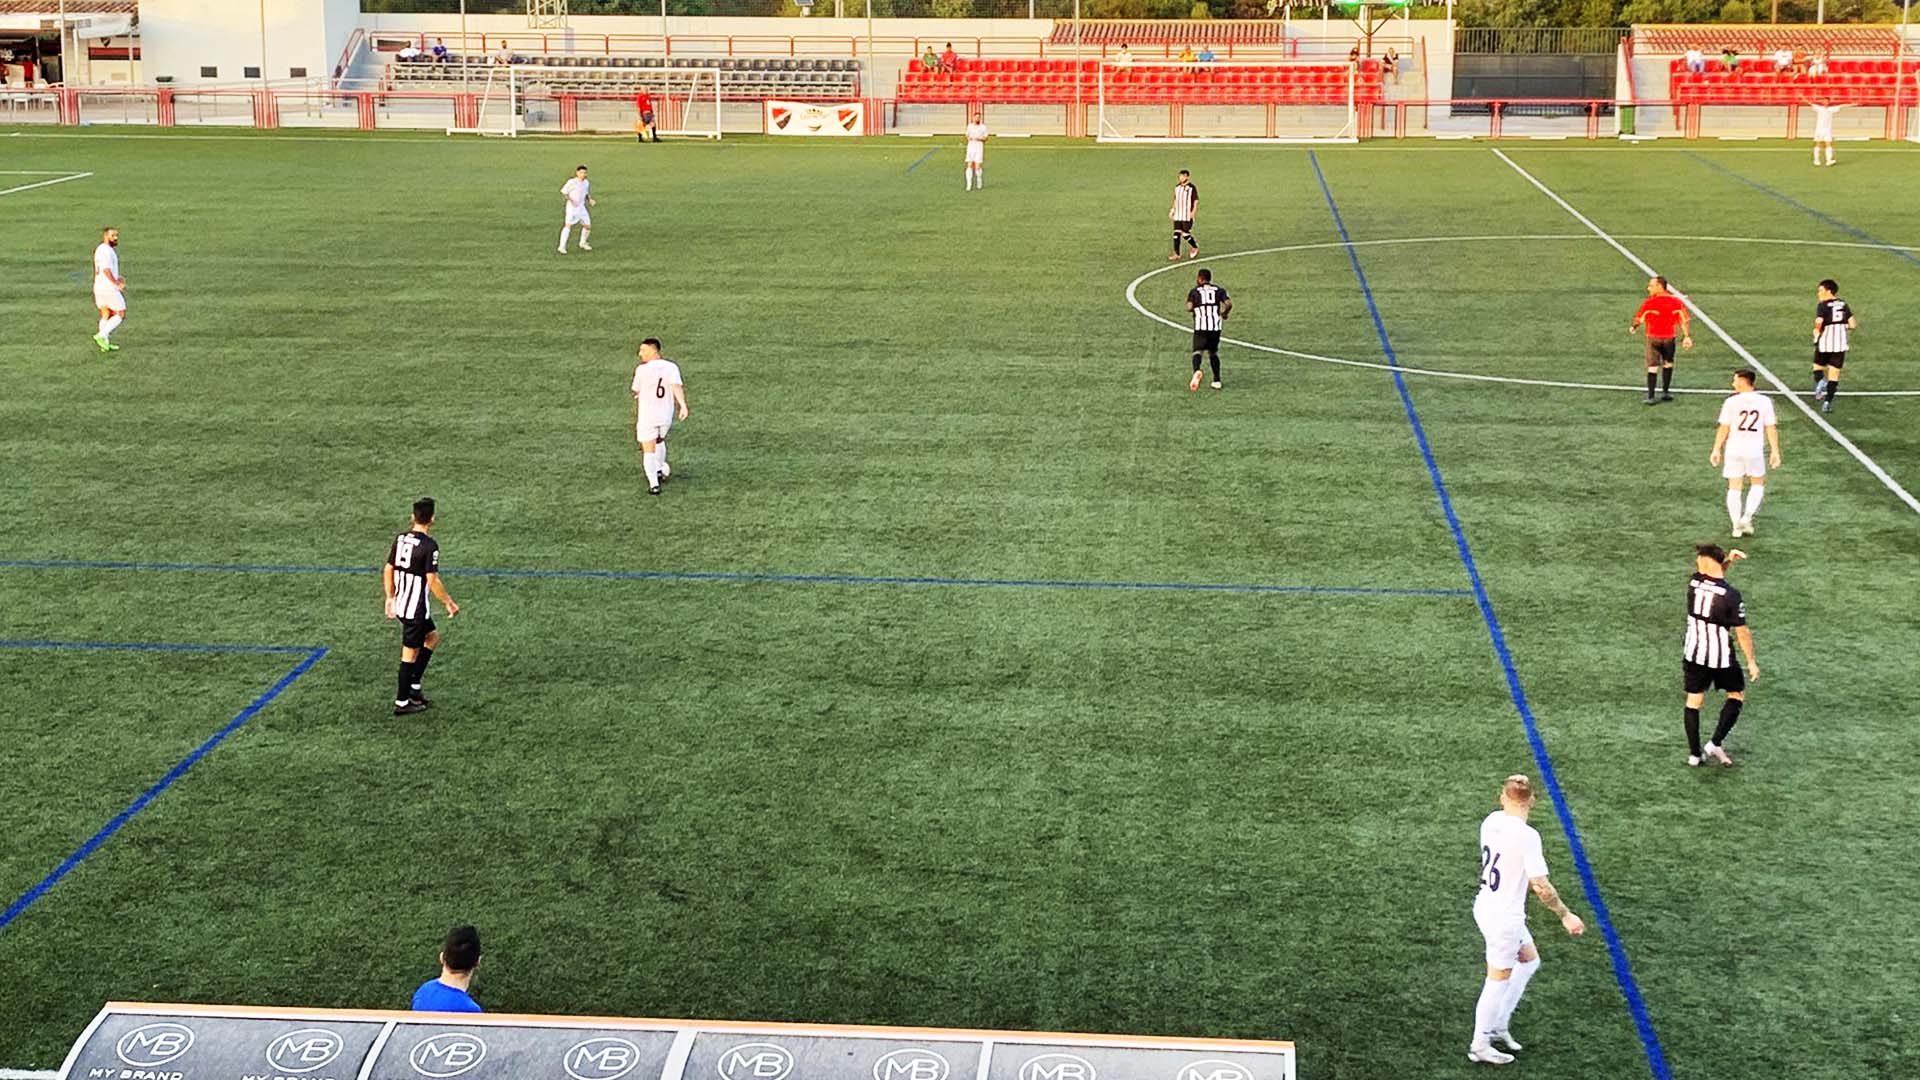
{"x":1736,"y":11}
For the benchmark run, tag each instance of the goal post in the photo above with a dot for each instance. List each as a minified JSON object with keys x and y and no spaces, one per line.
{"x":687,"y":101}
{"x":497,"y":108}
{"x":1245,"y":101}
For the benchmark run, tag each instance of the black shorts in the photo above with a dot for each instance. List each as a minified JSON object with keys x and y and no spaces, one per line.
{"x":414,"y":632}
{"x":1206,"y":341}
{"x":1699,"y":677}
{"x":1659,"y":352}
{"x":1183,"y":226}
{"x":647,"y":118}
{"x":1829,"y":359}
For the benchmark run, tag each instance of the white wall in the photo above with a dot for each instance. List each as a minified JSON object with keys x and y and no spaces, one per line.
{"x":179,"y":37}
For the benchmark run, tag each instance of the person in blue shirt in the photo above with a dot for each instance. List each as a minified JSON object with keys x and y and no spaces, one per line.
{"x":459,"y":956}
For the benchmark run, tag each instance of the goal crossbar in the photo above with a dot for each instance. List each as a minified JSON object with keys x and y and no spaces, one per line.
{"x":687,"y":101}
{"x":1221,"y":104}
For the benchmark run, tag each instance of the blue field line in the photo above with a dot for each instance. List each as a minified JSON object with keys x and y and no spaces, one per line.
{"x":1622,"y":971}
{"x":1856,"y":233}
{"x":920,"y":160}
{"x":742,"y":578}
{"x":147,"y":646}
{"x":312,"y":656}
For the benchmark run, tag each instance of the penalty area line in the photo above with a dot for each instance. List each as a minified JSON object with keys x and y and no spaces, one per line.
{"x":43,"y":183}
{"x":1740,"y":350}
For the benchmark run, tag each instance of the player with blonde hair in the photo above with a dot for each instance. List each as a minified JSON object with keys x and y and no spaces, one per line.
{"x":1511,"y":865}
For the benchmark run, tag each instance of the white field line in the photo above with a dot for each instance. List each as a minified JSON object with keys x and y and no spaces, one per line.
{"x":46,"y":183}
{"x":1766,"y":373}
{"x":29,"y":1074}
{"x":37,"y":172}
{"x":1133,"y":299}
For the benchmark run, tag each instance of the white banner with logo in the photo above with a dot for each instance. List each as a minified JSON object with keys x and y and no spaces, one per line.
{"x":810,"y":118}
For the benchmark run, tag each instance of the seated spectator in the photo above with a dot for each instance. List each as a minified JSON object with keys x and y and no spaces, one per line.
{"x":931,"y":61}
{"x":1782,"y":60}
{"x":1390,"y":63}
{"x":501,"y":55}
{"x":1818,"y":67}
{"x":1123,"y":58}
{"x":1206,"y":54}
{"x":410,"y":54}
{"x":439,"y":51}
{"x":949,"y":60}
{"x":459,"y":956}
{"x":1696,"y":61}
{"x":1800,"y":65}
{"x":1353,"y":56}
{"x":1187,"y":55}
{"x":1730,"y":59}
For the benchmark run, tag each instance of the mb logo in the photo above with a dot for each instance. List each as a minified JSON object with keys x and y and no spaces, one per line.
{"x":601,"y":1059}
{"x":912,"y":1063}
{"x":1057,"y":1067}
{"x":153,"y":1045}
{"x":756,"y":1061}
{"x":1214,"y":1069}
{"x":449,"y":1053}
{"x":304,"y":1050}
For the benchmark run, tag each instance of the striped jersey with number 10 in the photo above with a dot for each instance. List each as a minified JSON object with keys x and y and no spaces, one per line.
{"x":1713,"y":608}
{"x":1206,"y":300}
{"x":1833,"y":315}
{"x":413,"y":556}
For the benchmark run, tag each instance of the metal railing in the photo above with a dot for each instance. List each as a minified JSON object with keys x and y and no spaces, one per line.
{"x":1540,"y":40}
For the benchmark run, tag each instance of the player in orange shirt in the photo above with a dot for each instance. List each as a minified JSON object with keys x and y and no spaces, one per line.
{"x":1666,"y":317}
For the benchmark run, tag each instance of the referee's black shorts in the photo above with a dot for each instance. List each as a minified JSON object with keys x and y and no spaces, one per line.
{"x":1660,"y":352}
{"x":414,"y":633}
{"x":1699,"y":677}
{"x":1829,"y":359}
{"x":1206,"y":341}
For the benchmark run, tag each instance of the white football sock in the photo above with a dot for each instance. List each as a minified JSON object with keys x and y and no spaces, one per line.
{"x":980,"y":178}
{"x":1733,"y":505}
{"x":660,"y":455}
{"x":564,"y":230}
{"x":1516,"y":985}
{"x":583,"y":236}
{"x":111,"y":324}
{"x":1754,"y":494}
{"x":968,"y":175}
{"x":102,"y":328}
{"x":651,"y":460}
{"x":1486,"y":1012}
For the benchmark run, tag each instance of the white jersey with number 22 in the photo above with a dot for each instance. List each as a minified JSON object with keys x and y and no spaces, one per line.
{"x":1510,"y":857}
{"x":1747,"y":415}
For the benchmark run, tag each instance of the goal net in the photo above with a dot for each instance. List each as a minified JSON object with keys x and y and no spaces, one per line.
{"x":1277,"y":101}
{"x":686,"y":102}
{"x":495,"y":110}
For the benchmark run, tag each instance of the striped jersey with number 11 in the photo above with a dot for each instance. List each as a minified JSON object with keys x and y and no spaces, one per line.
{"x":1714,"y":608}
{"x":413,"y":556}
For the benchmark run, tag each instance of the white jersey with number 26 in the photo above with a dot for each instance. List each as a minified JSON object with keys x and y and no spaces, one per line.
{"x":1510,"y":857}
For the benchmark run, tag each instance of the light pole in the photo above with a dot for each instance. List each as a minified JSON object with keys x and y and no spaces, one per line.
{"x":463,"y":47}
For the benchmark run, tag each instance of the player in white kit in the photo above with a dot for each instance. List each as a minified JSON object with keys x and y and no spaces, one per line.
{"x":579,"y":201}
{"x":1747,"y":427}
{"x":1511,"y":865}
{"x":109,"y":289}
{"x":1823,"y":129}
{"x":660,"y":397}
{"x":976,"y":151}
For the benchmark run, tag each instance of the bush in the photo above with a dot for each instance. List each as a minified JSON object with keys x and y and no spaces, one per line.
{"x":1736,"y":11}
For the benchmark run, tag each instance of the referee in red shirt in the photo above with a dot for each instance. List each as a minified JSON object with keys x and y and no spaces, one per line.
{"x":643,"y":102}
{"x":1666,"y":318}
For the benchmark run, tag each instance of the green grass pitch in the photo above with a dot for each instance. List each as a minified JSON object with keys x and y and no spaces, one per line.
{"x":1230,"y":813}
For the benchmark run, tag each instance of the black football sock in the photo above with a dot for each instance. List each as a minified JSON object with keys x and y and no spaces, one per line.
{"x":420,"y":668}
{"x":1693,"y":732}
{"x":1666,"y":379}
{"x":1196,"y":363}
{"x":1650,"y":383}
{"x":1176,"y":241}
{"x":405,"y":692}
{"x":1818,"y":374}
{"x":1193,"y":243}
{"x":1214,"y":359}
{"x":1729,"y":713}
{"x":1833,"y":387}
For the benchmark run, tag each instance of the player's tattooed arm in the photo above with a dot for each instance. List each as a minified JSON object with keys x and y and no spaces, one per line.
{"x":1549,"y":896}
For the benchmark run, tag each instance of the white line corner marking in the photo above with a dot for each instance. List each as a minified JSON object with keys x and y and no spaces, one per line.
{"x":45,"y":183}
{"x":1846,"y":444}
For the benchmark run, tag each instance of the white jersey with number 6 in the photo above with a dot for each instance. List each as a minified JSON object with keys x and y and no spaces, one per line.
{"x":1747,"y":415}
{"x":653,"y":384}
{"x":1510,"y":857}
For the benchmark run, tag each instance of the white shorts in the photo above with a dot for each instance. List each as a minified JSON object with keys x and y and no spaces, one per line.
{"x":106,"y":296}
{"x":577,"y":215}
{"x":648,"y":431}
{"x":976,"y":153}
{"x":1506,"y":936}
{"x":1734,"y":466}
{"x":1822,"y":133}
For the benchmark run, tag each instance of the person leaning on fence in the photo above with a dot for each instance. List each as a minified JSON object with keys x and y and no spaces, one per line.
{"x":1353,"y":56}
{"x":451,"y":992}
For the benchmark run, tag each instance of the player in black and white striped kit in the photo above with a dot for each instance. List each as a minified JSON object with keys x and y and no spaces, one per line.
{"x":1186,"y":203}
{"x":1716,"y":621}
{"x":410,"y":577}
{"x":1210,"y":305}
{"x":1832,"y":319}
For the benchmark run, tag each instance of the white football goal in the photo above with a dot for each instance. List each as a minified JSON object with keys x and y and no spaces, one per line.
{"x":1267,"y":101}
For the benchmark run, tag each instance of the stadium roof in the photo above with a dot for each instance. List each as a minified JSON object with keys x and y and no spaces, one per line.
{"x":75,"y":8}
